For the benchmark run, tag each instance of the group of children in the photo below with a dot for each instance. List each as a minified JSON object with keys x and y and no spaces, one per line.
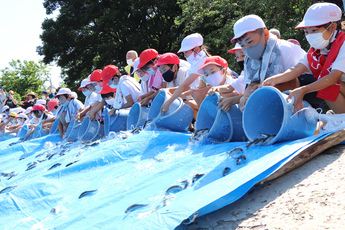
{"x":265,"y":59}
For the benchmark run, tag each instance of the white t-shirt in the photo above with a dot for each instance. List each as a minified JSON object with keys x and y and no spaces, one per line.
{"x":291,"y":53}
{"x":130,"y":88}
{"x":91,"y":99}
{"x":99,"y":97}
{"x":238,"y":83}
{"x":197,"y":63}
{"x":338,"y":64}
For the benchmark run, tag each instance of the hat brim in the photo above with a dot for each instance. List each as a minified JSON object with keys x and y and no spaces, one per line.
{"x":305,"y":24}
{"x":201,"y":72}
{"x":233,"y":50}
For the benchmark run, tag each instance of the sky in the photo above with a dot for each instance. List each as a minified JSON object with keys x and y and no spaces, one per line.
{"x":20,"y":26}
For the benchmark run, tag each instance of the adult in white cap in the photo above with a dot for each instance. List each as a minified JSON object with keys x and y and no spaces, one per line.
{"x":325,"y":59}
{"x":196,"y":54}
{"x":90,"y":98}
{"x":276,"y":32}
{"x":41,"y":102}
{"x":266,"y":55}
{"x":68,"y":109}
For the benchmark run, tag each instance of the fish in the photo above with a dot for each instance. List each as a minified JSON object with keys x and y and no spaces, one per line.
{"x":255,"y":142}
{"x":31,"y":165}
{"x":147,"y":122}
{"x":12,"y":174}
{"x":156,"y":159}
{"x":69,"y":164}
{"x":136,"y":130}
{"x":186,"y":183}
{"x":53,"y":211}
{"x":189,"y":221}
{"x":236,"y":150}
{"x":39,"y":155}
{"x":173,"y":189}
{"x":199,"y":134}
{"x":226,"y":171}
{"x":240,"y":159}
{"x":87,"y":193}
{"x":51,"y":156}
{"x":197,"y":177}
{"x":54,"y":166}
{"x":143,"y":215}
{"x":22,"y":158}
{"x":134,"y":207}
{"x":8,"y":189}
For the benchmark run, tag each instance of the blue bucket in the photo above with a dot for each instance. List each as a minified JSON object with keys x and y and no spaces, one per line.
{"x":137,"y":116}
{"x":39,"y":132}
{"x":90,"y":130}
{"x":268,"y":112}
{"x":222,"y":126}
{"x":22,"y":132}
{"x":73,"y":133}
{"x":54,"y":129}
{"x":116,"y":122}
{"x":178,"y":118}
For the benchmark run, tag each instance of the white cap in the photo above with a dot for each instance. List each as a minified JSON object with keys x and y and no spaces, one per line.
{"x":17,"y":110}
{"x":41,"y":102}
{"x":4,"y":108}
{"x":84,"y":83}
{"x":320,"y":14}
{"x":237,"y":47}
{"x":135,"y":65}
{"x":88,"y":77}
{"x":63,"y":91}
{"x":74,"y":95}
{"x":191,"y":41}
{"x":247,"y":24}
{"x":22,"y":115}
{"x":28,"y":110}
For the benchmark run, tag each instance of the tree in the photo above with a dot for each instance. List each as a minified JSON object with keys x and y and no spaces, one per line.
{"x":24,"y":76}
{"x":89,"y":34}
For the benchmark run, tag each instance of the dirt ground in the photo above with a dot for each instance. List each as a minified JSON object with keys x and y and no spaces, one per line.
{"x":310,"y":197}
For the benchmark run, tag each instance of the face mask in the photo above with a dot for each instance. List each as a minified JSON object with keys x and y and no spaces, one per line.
{"x":44,"y":97}
{"x":146,"y":77}
{"x":13,"y":121}
{"x":168,"y":75}
{"x":98,"y":88}
{"x":113,"y":86}
{"x":190,"y":58}
{"x":255,"y":52}
{"x":87,"y":93}
{"x":110,"y":101}
{"x":30,"y":116}
{"x":65,"y":104}
{"x":215,"y":79}
{"x":317,"y":41}
{"x":150,"y":71}
{"x":130,"y":62}
{"x":241,"y":64}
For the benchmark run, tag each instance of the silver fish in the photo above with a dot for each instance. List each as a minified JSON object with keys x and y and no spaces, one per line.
{"x":190,"y":220}
{"x":8,"y":189}
{"x":87,"y":193}
{"x":236,"y":150}
{"x":173,"y":189}
{"x":135,"y":207}
{"x":197,"y":177}
{"x":226,"y":171}
{"x":54,"y":166}
{"x":240,"y":159}
{"x":186,"y":183}
{"x":69,"y":164}
{"x":136,"y":130}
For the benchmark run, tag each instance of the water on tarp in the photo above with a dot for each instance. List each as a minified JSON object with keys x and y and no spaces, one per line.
{"x":52,"y":183}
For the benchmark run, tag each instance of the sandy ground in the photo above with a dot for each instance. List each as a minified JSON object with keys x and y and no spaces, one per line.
{"x":310,"y":197}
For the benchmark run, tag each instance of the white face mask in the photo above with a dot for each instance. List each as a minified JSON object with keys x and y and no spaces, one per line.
{"x":146,"y":77}
{"x":110,"y":101}
{"x":113,"y":86}
{"x":130,"y":62}
{"x":151,"y":71}
{"x":87,"y":93}
{"x":215,"y":79}
{"x":190,"y":58}
{"x":317,"y":41}
{"x":44,"y":97}
{"x":98,"y":88}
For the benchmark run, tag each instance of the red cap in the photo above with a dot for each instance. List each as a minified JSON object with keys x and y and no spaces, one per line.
{"x":168,"y":58}
{"x":237,"y":47}
{"x":96,"y":75}
{"x":217,"y":60}
{"x":51,"y":104}
{"x":146,"y":56}
{"x":107,"y":73}
{"x":107,"y":89}
{"x":38,"y":107}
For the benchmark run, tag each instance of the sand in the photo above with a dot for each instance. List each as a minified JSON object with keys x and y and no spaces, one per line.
{"x":310,"y":197}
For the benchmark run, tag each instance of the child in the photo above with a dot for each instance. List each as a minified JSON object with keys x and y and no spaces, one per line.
{"x":325,"y":59}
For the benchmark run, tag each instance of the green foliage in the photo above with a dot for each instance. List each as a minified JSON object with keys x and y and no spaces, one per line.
{"x":89,"y":34}
{"x":23,"y":77}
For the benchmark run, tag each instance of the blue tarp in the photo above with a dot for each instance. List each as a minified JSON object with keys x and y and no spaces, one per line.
{"x":49,"y":175}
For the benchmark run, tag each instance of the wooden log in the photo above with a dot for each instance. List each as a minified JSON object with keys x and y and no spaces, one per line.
{"x":309,"y":153}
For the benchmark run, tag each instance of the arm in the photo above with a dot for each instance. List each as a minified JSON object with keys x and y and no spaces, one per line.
{"x":226,"y":103}
{"x":321,"y":83}
{"x":247,"y":93}
{"x":288,"y":75}
{"x":95,"y":108}
{"x":129,"y":102}
{"x":189,"y":80}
